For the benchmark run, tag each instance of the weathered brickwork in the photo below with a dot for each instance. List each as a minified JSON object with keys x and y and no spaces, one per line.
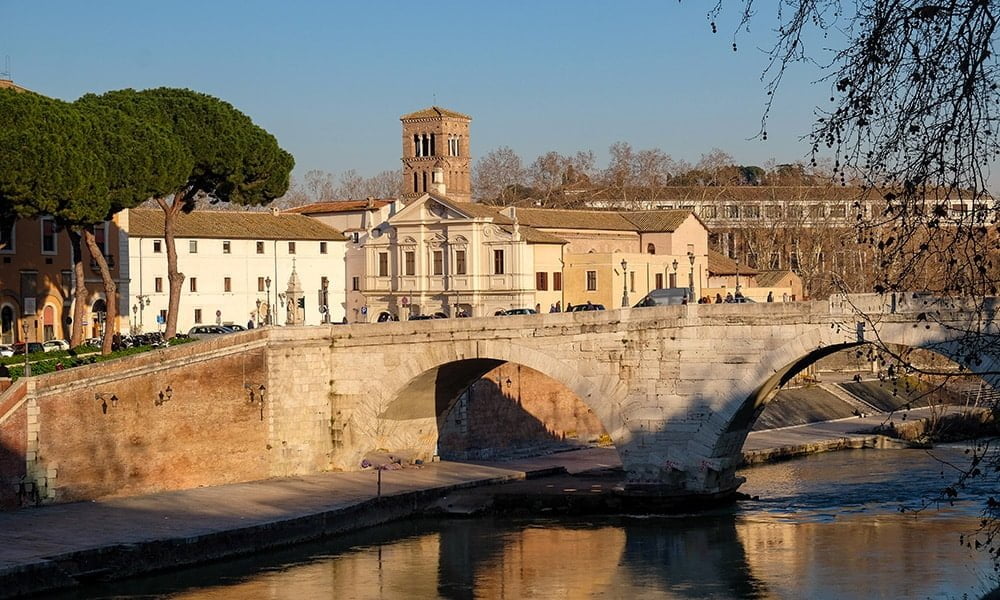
{"x":514,"y":408}
{"x":676,"y":388}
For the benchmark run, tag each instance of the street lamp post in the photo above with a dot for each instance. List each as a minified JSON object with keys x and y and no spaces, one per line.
{"x":673,"y":284}
{"x":24,"y":330}
{"x":691,"y":276}
{"x":135,"y":317}
{"x":257,"y":314}
{"x":624,"y":283}
{"x":270,"y":307}
{"x":143,"y":302}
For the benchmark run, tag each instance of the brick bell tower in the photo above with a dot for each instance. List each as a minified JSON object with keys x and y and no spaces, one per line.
{"x":436,"y":136}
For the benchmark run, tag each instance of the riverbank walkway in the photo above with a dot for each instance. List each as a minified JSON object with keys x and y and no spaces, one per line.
{"x":62,"y":545}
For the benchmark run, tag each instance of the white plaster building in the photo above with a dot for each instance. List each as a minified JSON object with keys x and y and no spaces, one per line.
{"x":236,"y":266}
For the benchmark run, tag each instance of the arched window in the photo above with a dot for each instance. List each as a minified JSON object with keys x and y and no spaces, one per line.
{"x":425,"y":181}
{"x":650,"y":249}
{"x":415,"y":188}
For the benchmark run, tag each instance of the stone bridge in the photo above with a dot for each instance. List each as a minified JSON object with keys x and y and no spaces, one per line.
{"x":677,"y":388}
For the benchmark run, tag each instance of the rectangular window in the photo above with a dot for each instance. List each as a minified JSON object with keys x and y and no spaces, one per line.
{"x":775,"y":261}
{"x":708,"y":212}
{"x":557,"y":281}
{"x":541,"y":281}
{"x":793,"y":261}
{"x":291,"y":247}
{"x":659,"y":281}
{"x":227,"y":284}
{"x":355,"y":283}
{"x":773,"y":211}
{"x":498,"y":262}
{"x":673,"y":280}
{"x":194,"y":284}
{"x":227,"y":247}
{"x":29,"y":284}
{"x":193,"y":246}
{"x":322,"y":247}
{"x":438,"y":262}
{"x":260,"y":247}
{"x":163,"y":315}
{"x":460,"y":262}
{"x":731,"y":211}
{"x":157,"y":246}
{"x":383,"y":264}
{"x":631,"y":281}
{"x":817,"y":211}
{"x":838,"y":211}
{"x":48,"y":236}
{"x":591,"y":281}
{"x":101,"y":237}
{"x":260,"y":284}
{"x":410,"y":260}
{"x":197,"y":315}
{"x":158,"y":284}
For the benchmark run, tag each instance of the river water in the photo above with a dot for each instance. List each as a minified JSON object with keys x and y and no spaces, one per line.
{"x":824,"y":526}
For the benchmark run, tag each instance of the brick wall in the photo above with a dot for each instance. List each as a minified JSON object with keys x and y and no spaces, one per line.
{"x":515,"y":410}
{"x":112,"y":434}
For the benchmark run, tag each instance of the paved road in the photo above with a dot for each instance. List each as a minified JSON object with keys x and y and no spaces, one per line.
{"x":32,"y":535}
{"x":830,"y":430}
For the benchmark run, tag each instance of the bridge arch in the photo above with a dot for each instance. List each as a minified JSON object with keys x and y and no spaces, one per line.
{"x":428,"y":386}
{"x":782,"y":364}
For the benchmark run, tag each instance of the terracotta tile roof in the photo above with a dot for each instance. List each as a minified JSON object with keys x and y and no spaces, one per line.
{"x":485,"y":211}
{"x":550,"y":218}
{"x":534,"y":236}
{"x":433,"y":112}
{"x":233,"y":224}
{"x":736,"y":193}
{"x":771,"y":278}
{"x":335,"y":206}
{"x":648,"y":221}
{"x":475,"y":210}
{"x":720,"y":264}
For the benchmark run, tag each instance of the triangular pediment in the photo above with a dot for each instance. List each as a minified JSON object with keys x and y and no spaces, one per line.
{"x":430,"y":209}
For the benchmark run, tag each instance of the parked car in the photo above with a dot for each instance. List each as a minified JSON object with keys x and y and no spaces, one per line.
{"x":6,"y":350}
{"x":55,"y":345}
{"x":234,"y":327}
{"x":665,"y":297}
{"x":520,"y":311}
{"x":586,"y":307}
{"x":33,"y":347}
{"x":200,"y":332}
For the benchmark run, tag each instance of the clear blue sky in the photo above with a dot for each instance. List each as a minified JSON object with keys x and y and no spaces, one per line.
{"x":330,"y":79}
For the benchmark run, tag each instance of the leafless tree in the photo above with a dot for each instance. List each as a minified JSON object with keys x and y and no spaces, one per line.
{"x":913,"y":115}
{"x":496,"y":176}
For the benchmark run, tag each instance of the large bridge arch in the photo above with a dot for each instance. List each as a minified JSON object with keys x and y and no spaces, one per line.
{"x":780,"y":365}
{"x":414,"y":397}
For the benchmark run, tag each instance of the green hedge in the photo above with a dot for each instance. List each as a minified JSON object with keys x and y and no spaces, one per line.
{"x":85,"y":355}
